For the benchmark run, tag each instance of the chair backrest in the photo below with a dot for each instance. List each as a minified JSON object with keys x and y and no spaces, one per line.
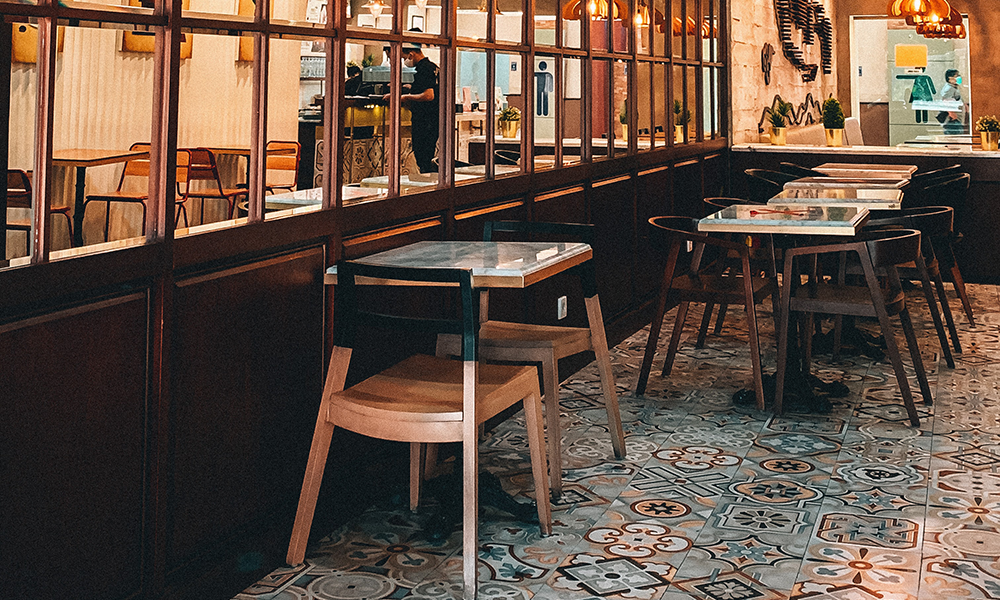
{"x":719,"y":202}
{"x":763,"y":184}
{"x":18,"y":189}
{"x":798,"y":170}
{"x":202,"y":167}
{"x":283,"y":156}
{"x":931,"y":221}
{"x":920,"y":178}
{"x":852,"y":132}
{"x":540,"y":231}
{"x":810,"y":135}
{"x":890,"y":247}
{"x":183,"y":162}
{"x":136,"y":167}
{"x":351,"y":312}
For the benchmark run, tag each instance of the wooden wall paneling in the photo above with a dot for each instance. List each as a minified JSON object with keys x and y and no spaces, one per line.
{"x":715,"y":173}
{"x":612,"y":204}
{"x":469,"y":222}
{"x":73,"y":425}
{"x":688,"y":188}
{"x":566,"y":205}
{"x":653,"y":199}
{"x":247,"y":348}
{"x":363,"y":244}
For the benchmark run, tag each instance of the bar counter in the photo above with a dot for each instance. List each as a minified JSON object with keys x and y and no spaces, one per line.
{"x":979,"y":219}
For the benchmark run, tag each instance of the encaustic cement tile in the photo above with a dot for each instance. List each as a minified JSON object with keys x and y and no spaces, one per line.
{"x":880,"y":570}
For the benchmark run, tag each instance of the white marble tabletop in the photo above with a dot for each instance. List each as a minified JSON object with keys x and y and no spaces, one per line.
{"x":493,"y":264}
{"x":866,"y":170}
{"x":870,"y":198}
{"x":312,"y":196}
{"x":794,"y":219}
{"x":846,"y":182}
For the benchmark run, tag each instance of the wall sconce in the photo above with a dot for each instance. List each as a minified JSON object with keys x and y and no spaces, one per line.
{"x":375,"y":7}
{"x":598,"y":9}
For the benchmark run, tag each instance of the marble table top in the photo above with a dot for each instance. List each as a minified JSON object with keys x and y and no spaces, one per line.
{"x":493,"y":264}
{"x":866,"y":170}
{"x":870,"y":198}
{"x":794,"y":219}
{"x":847,"y":182}
{"x":313,"y":196}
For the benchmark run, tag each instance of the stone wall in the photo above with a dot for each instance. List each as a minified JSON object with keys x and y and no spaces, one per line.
{"x":753,"y":24}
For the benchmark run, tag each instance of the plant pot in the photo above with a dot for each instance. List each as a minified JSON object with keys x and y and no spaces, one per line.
{"x":624,"y":131}
{"x":778,"y":137}
{"x":508,"y":129}
{"x":834,"y":137}
{"x":678,"y":134}
{"x":988,"y":140}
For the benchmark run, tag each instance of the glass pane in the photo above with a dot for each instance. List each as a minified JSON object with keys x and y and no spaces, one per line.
{"x":621,"y":102}
{"x":294,"y":113}
{"x":420,"y":121}
{"x":601,"y":108}
{"x":621,"y":26}
{"x":241,"y":8}
{"x":572,"y":116}
{"x":301,"y":13}
{"x":94,"y":122}
{"x":545,"y":111}
{"x":692,"y":33}
{"x":370,"y":14}
{"x":509,"y":103}
{"x":708,"y":96}
{"x":423,"y":16}
{"x":661,"y":28}
{"x":676,"y":26}
{"x":660,"y":121}
{"x":21,"y":143}
{"x":600,"y":32}
{"x":643,"y":118}
{"x":214,"y":113}
{"x":470,"y":115}
{"x":681,"y":113}
{"x":365,"y":126}
{"x":509,"y":21}
{"x":691,"y":105}
{"x":545,"y":22}
{"x":710,"y":30}
{"x":472,"y":19}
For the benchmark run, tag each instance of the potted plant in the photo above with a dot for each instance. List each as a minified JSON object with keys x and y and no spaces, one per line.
{"x":989,"y":132}
{"x":833,"y":121}
{"x":623,"y":119}
{"x":509,"y":120}
{"x":778,"y":120}
{"x":682,"y":117}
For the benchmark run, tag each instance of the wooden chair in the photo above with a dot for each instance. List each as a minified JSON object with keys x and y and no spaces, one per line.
{"x":202,"y":167}
{"x":423,"y":399}
{"x":933,"y":223}
{"x":135,"y":168}
{"x":547,"y":344}
{"x":762,"y":185}
{"x":798,"y":170}
{"x":703,"y":282}
{"x":877,"y":251}
{"x":19,"y":196}
{"x":282,"y":160}
{"x":183,"y":161}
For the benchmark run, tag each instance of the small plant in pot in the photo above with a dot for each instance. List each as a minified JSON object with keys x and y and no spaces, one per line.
{"x":989,"y":132}
{"x":510,"y":120}
{"x":623,"y":119}
{"x":779,"y":118}
{"x":833,"y":122}
{"x":682,"y":117}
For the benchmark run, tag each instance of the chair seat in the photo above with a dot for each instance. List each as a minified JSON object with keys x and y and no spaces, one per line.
{"x":117,"y":196}
{"x":718,"y":288}
{"x":210,"y":193}
{"x":844,"y":300}
{"x":424,"y":389}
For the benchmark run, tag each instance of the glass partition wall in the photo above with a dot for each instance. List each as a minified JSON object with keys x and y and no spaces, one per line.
{"x":131,"y":121}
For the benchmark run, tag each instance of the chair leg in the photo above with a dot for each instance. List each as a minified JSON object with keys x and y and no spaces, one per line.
{"x":470,"y":510}
{"x":536,"y":447}
{"x":893,"y":350}
{"x":550,"y":380}
{"x":918,"y":361}
{"x":706,"y":320}
{"x":782,"y":333}
{"x":654,"y":337}
{"x":675,"y":338}
{"x":107,"y":220}
{"x":720,"y":318}
{"x":959,"y":283}
{"x":416,"y":472}
{"x":310,"y":489}
{"x":69,"y":226}
{"x":758,"y":375}
{"x":599,"y":342}
{"x":935,"y":315}
{"x":946,"y":309}
{"x":838,"y":336}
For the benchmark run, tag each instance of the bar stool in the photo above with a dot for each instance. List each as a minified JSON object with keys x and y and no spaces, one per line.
{"x":547,"y":344}
{"x":877,"y":251}
{"x":423,"y":399}
{"x":703,"y":282}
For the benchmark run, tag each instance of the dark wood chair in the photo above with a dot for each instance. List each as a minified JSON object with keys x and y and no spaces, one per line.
{"x":282,"y":165}
{"x":703,"y":281}
{"x":202,"y":167}
{"x":423,"y":399}
{"x":762,"y":184}
{"x":877,"y":252}
{"x":19,"y":196}
{"x":547,"y":344}
{"x":137,"y":168}
{"x":798,"y":171}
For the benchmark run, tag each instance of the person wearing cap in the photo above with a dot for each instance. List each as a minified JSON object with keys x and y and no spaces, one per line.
{"x":422,"y":100}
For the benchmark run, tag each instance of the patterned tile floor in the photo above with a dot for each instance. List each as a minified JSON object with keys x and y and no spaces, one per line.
{"x":717,"y":502}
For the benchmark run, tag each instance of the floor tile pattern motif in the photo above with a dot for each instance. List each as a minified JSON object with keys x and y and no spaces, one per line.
{"x":716,"y":502}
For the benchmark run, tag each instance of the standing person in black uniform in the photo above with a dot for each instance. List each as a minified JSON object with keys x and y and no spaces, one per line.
{"x":422,"y":100}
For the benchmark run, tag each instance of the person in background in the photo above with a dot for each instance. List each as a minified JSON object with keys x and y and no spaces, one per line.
{"x":422,"y":100}
{"x":353,"y":85}
{"x":955,"y":122}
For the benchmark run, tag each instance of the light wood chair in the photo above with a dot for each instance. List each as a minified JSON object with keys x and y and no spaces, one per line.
{"x":547,"y":344}
{"x":423,"y":399}
{"x":878,"y":252}
{"x":202,"y":167}
{"x":19,"y":196}
{"x":135,"y":168}
{"x":282,"y":165}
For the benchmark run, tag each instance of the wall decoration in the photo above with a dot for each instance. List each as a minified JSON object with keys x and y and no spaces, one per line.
{"x":245,"y":52}
{"x":805,"y":113}
{"x":145,"y":41}
{"x":809,"y":17}
{"x":24,"y":42}
{"x":766,"y":54}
